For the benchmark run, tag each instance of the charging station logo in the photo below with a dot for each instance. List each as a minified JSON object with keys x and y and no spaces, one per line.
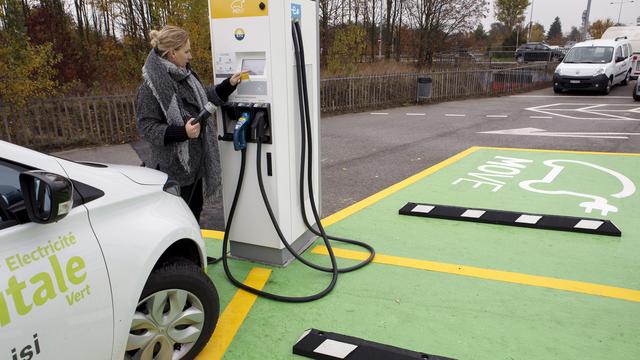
{"x":296,"y":12}
{"x":239,"y":34}
{"x":237,"y":6}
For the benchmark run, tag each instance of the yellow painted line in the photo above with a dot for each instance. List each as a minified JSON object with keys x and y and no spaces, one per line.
{"x":557,"y":151}
{"x":350,"y":210}
{"x":233,"y":316}
{"x":488,"y":274}
{"x":212,"y":234}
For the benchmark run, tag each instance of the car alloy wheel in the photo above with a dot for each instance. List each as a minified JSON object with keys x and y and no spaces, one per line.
{"x":166,"y":325}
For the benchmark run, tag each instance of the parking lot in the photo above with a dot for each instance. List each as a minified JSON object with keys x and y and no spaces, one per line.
{"x":460,"y":289}
{"x":465,"y":290}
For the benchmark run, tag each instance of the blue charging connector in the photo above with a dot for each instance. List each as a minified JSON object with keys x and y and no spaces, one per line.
{"x":239,"y":133}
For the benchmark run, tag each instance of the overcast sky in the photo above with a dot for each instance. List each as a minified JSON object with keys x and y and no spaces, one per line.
{"x":570,"y":12}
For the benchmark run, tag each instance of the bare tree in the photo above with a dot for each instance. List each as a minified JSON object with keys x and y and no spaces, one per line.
{"x":435,"y":20}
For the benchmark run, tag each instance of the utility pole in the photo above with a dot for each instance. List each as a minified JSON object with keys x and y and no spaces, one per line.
{"x":585,"y":21}
{"x":620,"y":12}
{"x":531,"y":22}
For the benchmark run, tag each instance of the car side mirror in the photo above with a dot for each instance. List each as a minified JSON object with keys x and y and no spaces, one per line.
{"x":619,"y":58}
{"x":48,"y":197}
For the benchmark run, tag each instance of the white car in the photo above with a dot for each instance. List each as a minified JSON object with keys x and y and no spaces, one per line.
{"x":594,"y":65}
{"x":98,"y":262}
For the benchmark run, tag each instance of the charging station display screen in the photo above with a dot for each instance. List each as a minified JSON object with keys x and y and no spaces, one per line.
{"x":254,"y":66}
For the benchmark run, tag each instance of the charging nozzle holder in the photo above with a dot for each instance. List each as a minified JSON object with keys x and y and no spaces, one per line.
{"x":260,"y":114}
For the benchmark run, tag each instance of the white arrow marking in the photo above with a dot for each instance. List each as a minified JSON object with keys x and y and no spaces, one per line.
{"x":542,"y":132}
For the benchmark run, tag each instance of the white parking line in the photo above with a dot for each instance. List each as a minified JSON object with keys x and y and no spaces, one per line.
{"x":569,"y":96}
{"x":455,"y":115}
{"x":379,"y":113}
{"x":541,"y":117}
{"x":416,"y":114}
{"x":497,"y":116}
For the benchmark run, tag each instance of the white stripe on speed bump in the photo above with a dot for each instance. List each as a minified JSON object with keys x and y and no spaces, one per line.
{"x":425,"y":209}
{"x":336,"y":349}
{"x":588,"y":224}
{"x":528,"y":219}
{"x":473,"y":214}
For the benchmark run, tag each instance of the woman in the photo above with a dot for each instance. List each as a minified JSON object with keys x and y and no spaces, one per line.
{"x":170,"y":97}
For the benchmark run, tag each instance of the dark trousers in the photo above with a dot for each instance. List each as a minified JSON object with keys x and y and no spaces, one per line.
{"x":196,"y":199}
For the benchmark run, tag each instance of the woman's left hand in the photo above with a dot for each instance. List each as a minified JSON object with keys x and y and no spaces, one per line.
{"x":236,"y":79}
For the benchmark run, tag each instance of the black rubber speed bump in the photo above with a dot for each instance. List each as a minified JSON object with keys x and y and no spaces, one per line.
{"x":511,"y":218}
{"x":316,"y":344}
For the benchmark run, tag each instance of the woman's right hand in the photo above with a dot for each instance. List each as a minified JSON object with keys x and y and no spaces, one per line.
{"x":193,"y":130}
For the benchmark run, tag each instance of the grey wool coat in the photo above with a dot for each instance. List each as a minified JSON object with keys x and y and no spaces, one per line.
{"x":156,"y":96}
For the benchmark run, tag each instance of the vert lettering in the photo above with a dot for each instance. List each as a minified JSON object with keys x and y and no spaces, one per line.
{"x":43,"y":287}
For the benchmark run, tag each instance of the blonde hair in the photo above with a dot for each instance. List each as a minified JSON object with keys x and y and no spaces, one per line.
{"x":169,"y":38}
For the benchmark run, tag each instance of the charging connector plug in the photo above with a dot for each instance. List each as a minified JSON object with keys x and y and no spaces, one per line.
{"x":240,"y":132}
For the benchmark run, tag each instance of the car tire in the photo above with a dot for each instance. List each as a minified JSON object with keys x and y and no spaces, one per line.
{"x":625,"y":82}
{"x":520,"y":59}
{"x":186,"y":307}
{"x":607,"y":89}
{"x":636,"y":88}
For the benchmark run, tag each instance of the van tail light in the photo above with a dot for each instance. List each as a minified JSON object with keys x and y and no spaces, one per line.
{"x":635,"y":57}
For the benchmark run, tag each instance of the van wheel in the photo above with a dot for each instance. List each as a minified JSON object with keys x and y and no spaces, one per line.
{"x":626,"y":79}
{"x":636,"y":89}
{"x":176,"y":315}
{"x":607,"y":89}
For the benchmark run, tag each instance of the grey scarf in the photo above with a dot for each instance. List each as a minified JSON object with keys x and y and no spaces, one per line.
{"x":161,"y":77}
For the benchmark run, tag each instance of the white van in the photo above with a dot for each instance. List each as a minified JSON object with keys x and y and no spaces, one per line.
{"x":632,"y":33}
{"x":594,"y":65}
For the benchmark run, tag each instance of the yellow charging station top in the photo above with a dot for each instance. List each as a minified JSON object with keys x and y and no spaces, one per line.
{"x":224,"y":9}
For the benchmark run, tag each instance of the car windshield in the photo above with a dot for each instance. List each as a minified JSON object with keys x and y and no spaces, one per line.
{"x":589,"y":55}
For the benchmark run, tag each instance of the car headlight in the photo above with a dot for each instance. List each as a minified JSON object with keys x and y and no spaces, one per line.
{"x":558,"y":70}
{"x":600,"y":71}
{"x":172,"y":187}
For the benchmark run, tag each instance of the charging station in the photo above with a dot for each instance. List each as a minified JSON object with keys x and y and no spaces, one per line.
{"x":256,"y":36}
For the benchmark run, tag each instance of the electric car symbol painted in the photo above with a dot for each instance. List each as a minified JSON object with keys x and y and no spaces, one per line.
{"x":98,"y":262}
{"x":597,"y":202}
{"x":237,"y":6}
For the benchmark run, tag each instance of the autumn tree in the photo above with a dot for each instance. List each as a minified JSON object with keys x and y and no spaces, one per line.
{"x":347,"y":50}
{"x":26,"y":71}
{"x":537,"y":33}
{"x":510,"y":12}
{"x":598,"y":28}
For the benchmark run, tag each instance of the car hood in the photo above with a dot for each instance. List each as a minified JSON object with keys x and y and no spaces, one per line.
{"x":138,"y":174}
{"x":580,"y":69}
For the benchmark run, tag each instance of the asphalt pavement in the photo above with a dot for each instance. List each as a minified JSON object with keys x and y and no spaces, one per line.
{"x":366,"y":152}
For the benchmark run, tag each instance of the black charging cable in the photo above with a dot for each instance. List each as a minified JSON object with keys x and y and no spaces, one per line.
{"x":305,"y":136}
{"x":225,"y":242}
{"x":305,"y":130}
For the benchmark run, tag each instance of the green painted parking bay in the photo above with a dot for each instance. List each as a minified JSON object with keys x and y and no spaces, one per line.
{"x":468,"y":290}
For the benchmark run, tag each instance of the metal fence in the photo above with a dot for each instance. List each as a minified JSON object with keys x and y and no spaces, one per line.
{"x":70,"y":122}
{"x":63,"y":123}
{"x":359,"y":93}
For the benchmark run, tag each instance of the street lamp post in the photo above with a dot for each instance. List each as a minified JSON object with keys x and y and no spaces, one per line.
{"x":620,"y":12}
